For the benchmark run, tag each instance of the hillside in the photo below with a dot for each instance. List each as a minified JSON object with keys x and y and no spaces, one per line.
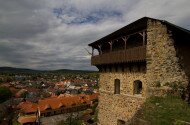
{"x":23,"y":70}
{"x":71,"y":71}
{"x":17,"y":70}
{"x":169,"y":110}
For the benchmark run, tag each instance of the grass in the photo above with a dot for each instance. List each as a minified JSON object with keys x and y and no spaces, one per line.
{"x":165,"y":110}
{"x":15,"y":123}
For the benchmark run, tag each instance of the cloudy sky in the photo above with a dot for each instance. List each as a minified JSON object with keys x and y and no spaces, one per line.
{"x":53,"y":34}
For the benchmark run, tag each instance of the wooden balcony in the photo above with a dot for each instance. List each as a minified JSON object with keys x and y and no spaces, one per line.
{"x":135,"y":54}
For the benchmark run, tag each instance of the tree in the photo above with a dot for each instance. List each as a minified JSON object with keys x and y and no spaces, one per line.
{"x":3,"y":112}
{"x":9,"y":79}
{"x":5,"y":94}
{"x":1,"y":80}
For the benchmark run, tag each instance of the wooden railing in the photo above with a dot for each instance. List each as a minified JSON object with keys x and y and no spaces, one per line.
{"x":129,"y":55}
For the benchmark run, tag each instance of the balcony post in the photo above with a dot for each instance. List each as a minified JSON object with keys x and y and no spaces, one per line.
{"x":125,"y":40}
{"x":144,"y":38}
{"x":143,"y":34}
{"x":111,"y":43}
{"x":100,"y":49}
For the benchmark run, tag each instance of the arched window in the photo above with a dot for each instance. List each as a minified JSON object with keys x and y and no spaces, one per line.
{"x":117,"y":86}
{"x":137,"y":85}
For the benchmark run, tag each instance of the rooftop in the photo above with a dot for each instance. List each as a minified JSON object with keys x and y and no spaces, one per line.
{"x":135,"y":26}
{"x":56,"y":102}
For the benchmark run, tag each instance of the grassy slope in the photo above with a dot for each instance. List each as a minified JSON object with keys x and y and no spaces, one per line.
{"x":165,"y":110}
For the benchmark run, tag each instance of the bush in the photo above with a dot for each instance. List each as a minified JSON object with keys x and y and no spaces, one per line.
{"x":5,"y":94}
{"x":177,"y":88}
{"x":177,"y":122}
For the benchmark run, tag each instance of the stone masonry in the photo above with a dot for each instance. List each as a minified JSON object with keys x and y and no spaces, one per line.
{"x":118,"y":106}
{"x":162,"y":63}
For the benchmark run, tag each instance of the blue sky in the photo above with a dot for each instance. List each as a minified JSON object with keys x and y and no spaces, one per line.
{"x":76,"y":17}
{"x":53,"y":34}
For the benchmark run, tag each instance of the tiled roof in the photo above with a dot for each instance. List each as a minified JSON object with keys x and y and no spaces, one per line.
{"x":24,"y":104}
{"x":28,"y":106}
{"x":26,"y":119}
{"x":57,"y":102}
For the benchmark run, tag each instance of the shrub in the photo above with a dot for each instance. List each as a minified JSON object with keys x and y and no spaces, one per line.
{"x":5,"y":94}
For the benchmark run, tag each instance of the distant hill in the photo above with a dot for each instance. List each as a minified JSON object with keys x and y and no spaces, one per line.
{"x":71,"y":71}
{"x":23,"y":70}
{"x":17,"y":70}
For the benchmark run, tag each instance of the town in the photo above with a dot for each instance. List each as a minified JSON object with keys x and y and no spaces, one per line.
{"x":37,"y":97}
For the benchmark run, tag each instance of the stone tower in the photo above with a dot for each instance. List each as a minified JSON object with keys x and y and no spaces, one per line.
{"x":132,"y":60}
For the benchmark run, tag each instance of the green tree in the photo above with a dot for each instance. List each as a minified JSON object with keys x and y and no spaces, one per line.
{"x":5,"y":94}
{"x":8,"y":79}
{"x":3,"y":112}
{"x":1,"y":80}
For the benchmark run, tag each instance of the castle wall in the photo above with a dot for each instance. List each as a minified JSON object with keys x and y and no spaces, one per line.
{"x":162,"y":66}
{"x":162,"y":63}
{"x":123,"y":106}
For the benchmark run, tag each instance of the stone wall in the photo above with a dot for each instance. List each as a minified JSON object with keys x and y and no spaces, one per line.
{"x":117,"y":107}
{"x":123,"y":106}
{"x":162,"y":66}
{"x":162,"y":63}
{"x":126,"y":81}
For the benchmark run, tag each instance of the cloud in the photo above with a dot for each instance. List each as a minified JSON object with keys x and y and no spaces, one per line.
{"x":53,"y":34}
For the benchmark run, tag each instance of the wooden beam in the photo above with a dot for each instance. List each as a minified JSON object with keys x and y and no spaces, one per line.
{"x":111,"y":43}
{"x":143,"y":34}
{"x":100,"y":49}
{"x":125,"y":40}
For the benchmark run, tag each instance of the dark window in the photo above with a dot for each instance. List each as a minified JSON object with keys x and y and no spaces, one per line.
{"x":139,"y":67}
{"x":123,"y":68}
{"x":110,"y":67}
{"x":137,"y":87}
{"x":117,"y":86}
{"x":116,"y":68}
{"x":130,"y":68}
{"x":105,"y":68}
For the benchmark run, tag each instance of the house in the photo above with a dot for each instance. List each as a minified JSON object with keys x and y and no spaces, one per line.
{"x":54,"y":105}
{"x":133,"y":60}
